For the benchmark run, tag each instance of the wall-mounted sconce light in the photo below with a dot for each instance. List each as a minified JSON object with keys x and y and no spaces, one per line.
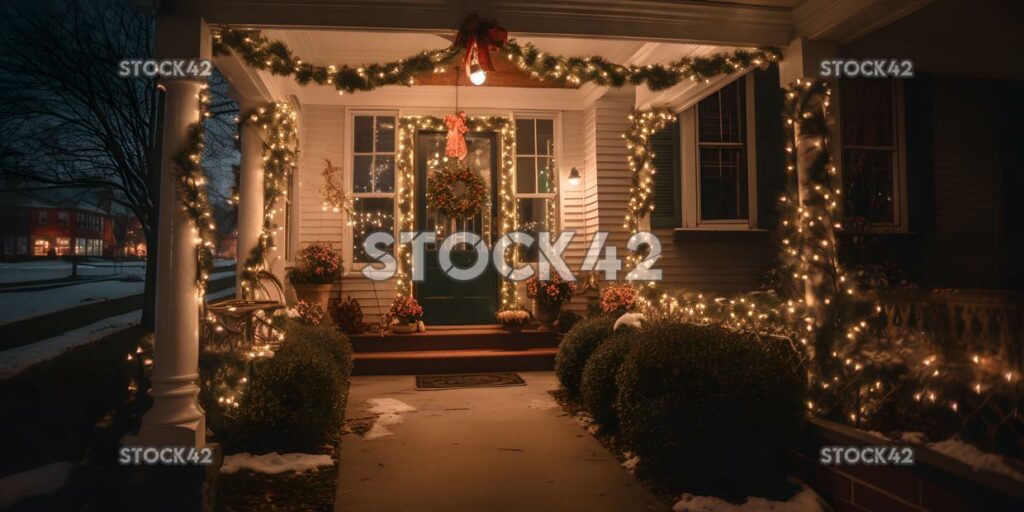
{"x":574,"y":177}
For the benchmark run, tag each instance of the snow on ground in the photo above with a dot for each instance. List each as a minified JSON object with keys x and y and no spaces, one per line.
{"x":16,"y":306}
{"x":546,"y":404}
{"x":20,"y":305}
{"x":804,"y":501}
{"x":274,"y":463}
{"x":632,"y":461}
{"x":14,"y":361}
{"x":975,"y":458}
{"x":956,"y":449}
{"x":22,"y":271}
{"x":389,"y":413}
{"x":34,"y":482}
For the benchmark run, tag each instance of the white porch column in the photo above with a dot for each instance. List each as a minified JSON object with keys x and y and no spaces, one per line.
{"x":802,"y":61}
{"x":176,"y":417}
{"x":250,"y":190}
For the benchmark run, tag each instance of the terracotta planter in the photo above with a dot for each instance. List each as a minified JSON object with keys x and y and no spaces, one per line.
{"x":407,"y":328}
{"x":512,"y":327}
{"x":315,"y":294}
{"x":546,"y":314}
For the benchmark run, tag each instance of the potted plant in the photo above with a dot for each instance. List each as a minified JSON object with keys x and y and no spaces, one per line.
{"x":514,"y":319}
{"x":617,"y":299}
{"x":405,"y":314}
{"x":317,"y":268}
{"x":548,"y":296}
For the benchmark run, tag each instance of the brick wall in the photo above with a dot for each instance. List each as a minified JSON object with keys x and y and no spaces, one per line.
{"x":934,"y":483}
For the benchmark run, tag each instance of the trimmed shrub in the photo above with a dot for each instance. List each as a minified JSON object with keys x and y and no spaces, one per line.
{"x":567,"y":320}
{"x":575,"y":349}
{"x":598,"y":389}
{"x":297,"y":398}
{"x":712,"y":408}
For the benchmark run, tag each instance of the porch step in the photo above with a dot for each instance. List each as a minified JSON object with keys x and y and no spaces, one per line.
{"x":473,"y":337}
{"x":410,"y":362}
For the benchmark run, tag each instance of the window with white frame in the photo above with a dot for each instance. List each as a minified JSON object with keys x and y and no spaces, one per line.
{"x":536,"y":177}
{"x":722,"y":155}
{"x":871,"y":159}
{"x":718,"y":159}
{"x":372,"y":178}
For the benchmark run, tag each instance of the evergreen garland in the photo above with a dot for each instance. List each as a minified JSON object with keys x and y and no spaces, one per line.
{"x":274,"y":56}
{"x":280,"y":158}
{"x":192,"y":197}
{"x":575,"y":71}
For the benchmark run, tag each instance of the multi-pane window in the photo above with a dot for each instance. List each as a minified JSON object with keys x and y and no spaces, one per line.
{"x":88,"y":247}
{"x":63,"y":218}
{"x":373,"y":178}
{"x":870,"y":169}
{"x":721,"y":153}
{"x":536,"y":177}
{"x":62,"y":246}
{"x":42,"y":217}
{"x":40,"y":247}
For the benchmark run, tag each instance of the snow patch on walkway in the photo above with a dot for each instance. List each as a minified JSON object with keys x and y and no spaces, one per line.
{"x":804,"y":501}
{"x":274,"y":463}
{"x":389,"y":414}
{"x":14,"y":361}
{"x":34,"y":482}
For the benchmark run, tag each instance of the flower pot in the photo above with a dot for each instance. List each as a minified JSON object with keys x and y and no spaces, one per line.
{"x":315,"y":293}
{"x":406,"y":328}
{"x":546,"y":314}
{"x":512,"y":327}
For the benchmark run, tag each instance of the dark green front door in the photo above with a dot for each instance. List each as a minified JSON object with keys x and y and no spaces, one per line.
{"x":447,"y":301}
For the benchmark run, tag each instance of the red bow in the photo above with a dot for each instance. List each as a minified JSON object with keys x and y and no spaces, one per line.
{"x":482,"y":35}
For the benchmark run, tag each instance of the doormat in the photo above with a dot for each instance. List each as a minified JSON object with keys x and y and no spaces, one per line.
{"x":469,"y":380}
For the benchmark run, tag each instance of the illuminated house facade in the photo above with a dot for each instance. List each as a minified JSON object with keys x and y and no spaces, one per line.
{"x":923,"y":162}
{"x":37,"y":230}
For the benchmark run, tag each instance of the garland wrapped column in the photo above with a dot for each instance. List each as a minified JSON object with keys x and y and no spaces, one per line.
{"x":277,"y":122}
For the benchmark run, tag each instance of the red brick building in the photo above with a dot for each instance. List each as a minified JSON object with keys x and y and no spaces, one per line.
{"x":38,"y":230}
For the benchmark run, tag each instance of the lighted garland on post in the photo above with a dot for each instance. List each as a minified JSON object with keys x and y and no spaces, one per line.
{"x":643,"y":125}
{"x":192,"y":197}
{"x":274,"y":56}
{"x":277,"y":122}
{"x":405,"y":164}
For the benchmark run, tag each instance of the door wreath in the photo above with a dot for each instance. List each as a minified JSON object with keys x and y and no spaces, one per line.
{"x":441,"y":194}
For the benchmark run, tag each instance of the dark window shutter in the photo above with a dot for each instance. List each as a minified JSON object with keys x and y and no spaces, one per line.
{"x":666,"y":187}
{"x":917,"y":103}
{"x":770,"y":135}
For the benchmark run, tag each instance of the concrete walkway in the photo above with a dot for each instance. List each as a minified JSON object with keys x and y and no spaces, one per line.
{"x":478,"y":449}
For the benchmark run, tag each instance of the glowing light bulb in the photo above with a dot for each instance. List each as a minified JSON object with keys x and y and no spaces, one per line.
{"x":477,"y":75}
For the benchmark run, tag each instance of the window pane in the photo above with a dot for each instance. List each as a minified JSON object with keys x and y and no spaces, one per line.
{"x":545,"y":137}
{"x":370,"y":215}
{"x":545,"y":174}
{"x":720,"y":116}
{"x":723,"y":184}
{"x":868,"y":185}
{"x":526,"y":175}
{"x":385,"y":134}
{"x":531,"y":218}
{"x":867,"y":109}
{"x":363,"y":134}
{"x":525,"y":142}
{"x":362,"y":179}
{"x":384,"y":173}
